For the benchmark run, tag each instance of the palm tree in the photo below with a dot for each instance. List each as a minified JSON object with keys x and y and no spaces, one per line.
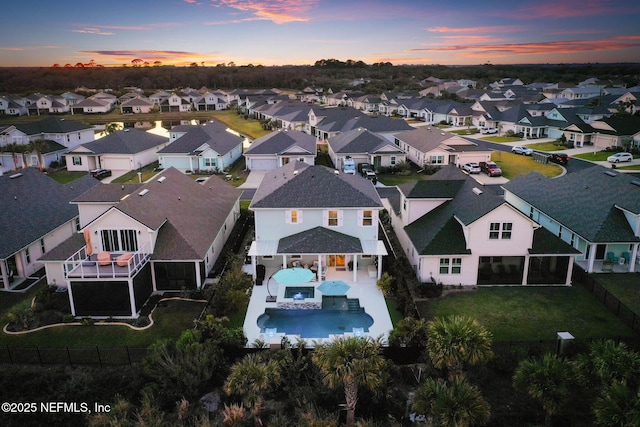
{"x":619,"y":405}
{"x":458,"y":340}
{"x":38,"y":145}
{"x":609,"y":362}
{"x":453,"y":404}
{"x":350,"y":362}
{"x":251,"y":377}
{"x":547,"y":380}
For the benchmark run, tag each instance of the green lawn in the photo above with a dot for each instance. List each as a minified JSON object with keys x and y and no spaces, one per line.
{"x":396,"y":316}
{"x":513,"y":165}
{"x":394,"y":179}
{"x":500,"y":139}
{"x":237,"y":122}
{"x":170,"y":321}
{"x":470,"y":131}
{"x":131,"y":177}
{"x":533,"y":313}
{"x":63,"y":176}
{"x":546,"y":146}
{"x":624,"y":287}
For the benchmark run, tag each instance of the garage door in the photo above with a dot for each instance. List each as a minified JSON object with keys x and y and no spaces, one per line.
{"x":263,"y":164}
{"x":116,"y":163}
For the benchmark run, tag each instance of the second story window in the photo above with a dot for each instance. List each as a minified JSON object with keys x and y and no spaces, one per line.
{"x":294,"y":216}
{"x":499,"y":230}
{"x":367,"y":218}
{"x":333,"y":218}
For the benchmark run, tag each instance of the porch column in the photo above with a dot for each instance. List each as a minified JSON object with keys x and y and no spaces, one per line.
{"x":198,"y":278}
{"x":72,"y":305}
{"x":154,"y":285}
{"x":254,"y":273}
{"x":379,"y":267}
{"x":284,"y":261}
{"x":355,"y":267}
{"x":592,"y":258}
{"x":132,"y":299}
{"x":632,"y":261}
{"x":3,"y":274}
{"x":569,"y":270}
{"x":525,"y":270}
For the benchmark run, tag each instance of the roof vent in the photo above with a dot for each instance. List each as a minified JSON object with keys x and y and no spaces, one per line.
{"x":295,"y":172}
{"x":126,"y":130}
{"x":15,"y":175}
{"x":477,"y":191}
{"x":610,"y":173}
{"x":337,"y":172}
{"x":162,"y":178}
{"x":143,"y":192}
{"x":635,"y":182}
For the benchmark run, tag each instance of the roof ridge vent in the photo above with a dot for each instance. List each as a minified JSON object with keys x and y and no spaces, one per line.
{"x":15,"y":175}
{"x":610,"y":173}
{"x":143,"y":192}
{"x":162,"y":178}
{"x":635,"y":182}
{"x":477,"y":191}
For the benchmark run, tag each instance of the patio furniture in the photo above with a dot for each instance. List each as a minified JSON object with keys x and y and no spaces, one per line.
{"x":124,"y":259}
{"x":104,"y":258}
{"x":611,"y":257}
{"x":627,"y":257}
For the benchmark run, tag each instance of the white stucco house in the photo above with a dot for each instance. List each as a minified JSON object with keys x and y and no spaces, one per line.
{"x":122,"y":150}
{"x":364,"y":146}
{"x":211,"y":146}
{"x":279,"y":148}
{"x":455,"y":233}
{"x":135,"y":239}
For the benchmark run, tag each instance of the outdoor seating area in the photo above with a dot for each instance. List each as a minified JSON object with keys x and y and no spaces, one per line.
{"x":104,"y":264}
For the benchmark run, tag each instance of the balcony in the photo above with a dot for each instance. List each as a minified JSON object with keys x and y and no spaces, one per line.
{"x":105,"y":265}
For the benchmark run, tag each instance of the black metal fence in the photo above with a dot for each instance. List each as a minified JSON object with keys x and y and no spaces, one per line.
{"x":624,"y":313}
{"x":98,"y":356}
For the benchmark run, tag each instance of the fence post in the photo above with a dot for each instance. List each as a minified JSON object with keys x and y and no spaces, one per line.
{"x":39,"y":357}
{"x":69,"y":355}
{"x":9,"y":353}
{"x":99,"y":358}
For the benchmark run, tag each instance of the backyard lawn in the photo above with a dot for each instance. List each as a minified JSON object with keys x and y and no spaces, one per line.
{"x":624,"y":287}
{"x":513,"y":165}
{"x":546,"y":146}
{"x":63,"y":176}
{"x":248,"y":127}
{"x":131,"y":177}
{"x":500,"y":139}
{"x":532,"y":313}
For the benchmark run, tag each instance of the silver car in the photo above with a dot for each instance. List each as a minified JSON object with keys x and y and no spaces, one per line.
{"x":521,"y":149}
{"x":471,"y":167}
{"x":620,"y":157}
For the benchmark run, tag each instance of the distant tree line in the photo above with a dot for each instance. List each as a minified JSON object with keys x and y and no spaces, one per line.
{"x":325,"y":73}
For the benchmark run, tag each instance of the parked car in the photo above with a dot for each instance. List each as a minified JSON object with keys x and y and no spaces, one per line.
{"x":371,"y":175}
{"x":488,"y":130}
{"x":349,"y":165}
{"x":100,"y":173}
{"x":521,"y":149}
{"x":490,"y":168}
{"x":561,"y":158}
{"x":620,"y":157}
{"x":471,"y":167}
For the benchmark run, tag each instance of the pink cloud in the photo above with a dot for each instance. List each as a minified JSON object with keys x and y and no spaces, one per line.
{"x":567,"y":9}
{"x":485,"y":29}
{"x":277,"y":11}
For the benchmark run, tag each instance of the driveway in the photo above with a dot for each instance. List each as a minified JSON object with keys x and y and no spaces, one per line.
{"x":253,"y":180}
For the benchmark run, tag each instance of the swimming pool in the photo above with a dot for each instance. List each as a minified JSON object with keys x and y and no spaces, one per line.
{"x":314,"y":323}
{"x":299,"y":292}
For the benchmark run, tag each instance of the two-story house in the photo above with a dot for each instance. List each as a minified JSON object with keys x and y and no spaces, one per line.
{"x":165,"y":234}
{"x":455,"y":233}
{"x":279,"y":148}
{"x":364,"y":146}
{"x":316,"y":215}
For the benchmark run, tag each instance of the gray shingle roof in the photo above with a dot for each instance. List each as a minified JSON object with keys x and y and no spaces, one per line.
{"x":52,"y":125}
{"x":282,"y":142}
{"x":212,"y":133}
{"x":362,"y":141}
{"x":33,"y":205}
{"x":127,"y":141}
{"x":298,"y":185}
{"x":319,"y":240}
{"x":586,"y":202}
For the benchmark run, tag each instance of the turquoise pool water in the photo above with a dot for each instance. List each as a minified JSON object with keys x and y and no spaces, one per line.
{"x":314,"y":323}
{"x":299,"y":292}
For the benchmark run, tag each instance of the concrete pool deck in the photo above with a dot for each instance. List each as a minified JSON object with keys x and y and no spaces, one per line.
{"x":364,"y":289}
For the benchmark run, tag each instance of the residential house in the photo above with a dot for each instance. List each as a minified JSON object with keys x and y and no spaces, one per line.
{"x":306,"y":214}
{"x":582,"y":92}
{"x":96,"y":104}
{"x":364,"y":146}
{"x":136,"y":105}
{"x":12,"y":105}
{"x":596,"y":211}
{"x":429,"y":145}
{"x":326,"y":123}
{"x":175,"y":103}
{"x":119,"y":151}
{"x":279,"y":148}
{"x":456,"y":233}
{"x":211,"y":146}
{"x":283,"y":114}
{"x":35,"y":217}
{"x":163,"y":235}
{"x":617,"y":131}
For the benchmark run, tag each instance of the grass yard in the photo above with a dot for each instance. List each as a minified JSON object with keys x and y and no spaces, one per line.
{"x":170,"y":321}
{"x":248,"y":127}
{"x":395,"y":179}
{"x":546,"y":146}
{"x":533,"y":313}
{"x":500,"y":139}
{"x":513,"y":165}
{"x":470,"y":131}
{"x":624,"y":287}
{"x":131,"y":177}
{"x":396,"y":316}
{"x":63,"y":176}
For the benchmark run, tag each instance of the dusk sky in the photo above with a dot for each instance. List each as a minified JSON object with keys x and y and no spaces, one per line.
{"x":279,"y":32}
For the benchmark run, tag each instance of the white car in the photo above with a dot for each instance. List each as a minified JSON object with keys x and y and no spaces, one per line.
{"x":489,"y":130}
{"x":471,"y":168}
{"x":620,"y":157}
{"x":521,"y":149}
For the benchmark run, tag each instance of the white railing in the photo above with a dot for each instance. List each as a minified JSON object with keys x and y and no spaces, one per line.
{"x":82,"y":266}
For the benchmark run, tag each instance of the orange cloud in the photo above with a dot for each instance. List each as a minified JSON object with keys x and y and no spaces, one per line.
{"x":542,"y":48}
{"x":277,"y":11}
{"x":567,"y":9}
{"x":90,"y":30}
{"x":486,"y":29}
{"x":172,"y":57}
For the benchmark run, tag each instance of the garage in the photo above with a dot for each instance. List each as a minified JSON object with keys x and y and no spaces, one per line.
{"x":263,"y":164}
{"x":116,"y":163}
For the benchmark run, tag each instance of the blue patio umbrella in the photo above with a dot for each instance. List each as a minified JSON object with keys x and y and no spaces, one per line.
{"x":334,"y":287}
{"x":293,"y":276}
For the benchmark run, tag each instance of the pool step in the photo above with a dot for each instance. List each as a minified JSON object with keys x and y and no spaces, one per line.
{"x":353,"y":304}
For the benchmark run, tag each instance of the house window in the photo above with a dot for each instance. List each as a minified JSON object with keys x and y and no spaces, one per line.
{"x":437,"y":160}
{"x":293,"y":216}
{"x":27,"y":256}
{"x":119,"y":240}
{"x":333,"y":218}
{"x":209,"y":162}
{"x":42,"y":246}
{"x":76,"y":222}
{"x":77,"y":160}
{"x":392,"y":160}
{"x":285,"y":160}
{"x":367,"y":218}
{"x":499,"y":230}
{"x":450,"y":265}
